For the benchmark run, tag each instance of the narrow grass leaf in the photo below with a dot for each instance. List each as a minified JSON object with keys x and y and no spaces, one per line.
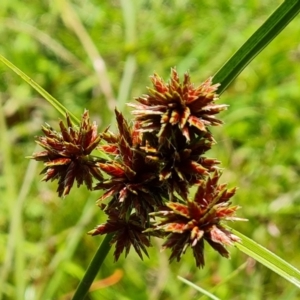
{"x":267,"y":258}
{"x":198,"y":288}
{"x":55,"y":103}
{"x":281,"y":17}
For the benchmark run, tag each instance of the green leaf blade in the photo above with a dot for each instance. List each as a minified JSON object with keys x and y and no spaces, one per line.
{"x":281,"y":17}
{"x":198,"y":288}
{"x":267,"y":258}
{"x":55,"y":103}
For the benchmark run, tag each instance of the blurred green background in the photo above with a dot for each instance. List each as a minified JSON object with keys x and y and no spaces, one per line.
{"x":100,"y":54}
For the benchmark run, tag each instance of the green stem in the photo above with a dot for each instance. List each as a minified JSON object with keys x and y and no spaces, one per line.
{"x":281,"y":17}
{"x":93,"y":269}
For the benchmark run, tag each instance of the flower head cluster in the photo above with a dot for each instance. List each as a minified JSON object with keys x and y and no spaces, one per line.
{"x":182,"y":164}
{"x":132,"y":189}
{"x":148,"y":169}
{"x":192,"y":222}
{"x":174,"y":118}
{"x":126,"y":232}
{"x":133,"y":182}
{"x":189,"y":108}
{"x":67,"y":154}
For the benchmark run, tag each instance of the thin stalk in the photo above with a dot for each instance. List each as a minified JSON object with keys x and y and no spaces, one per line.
{"x":93,"y":269}
{"x":198,"y":288}
{"x":281,"y":17}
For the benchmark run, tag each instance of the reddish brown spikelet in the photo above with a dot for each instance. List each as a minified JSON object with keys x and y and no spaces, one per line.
{"x":67,"y":154}
{"x":126,"y":233}
{"x":182,"y":164}
{"x":192,"y":109}
{"x":191,"y":223}
{"x":133,"y":183}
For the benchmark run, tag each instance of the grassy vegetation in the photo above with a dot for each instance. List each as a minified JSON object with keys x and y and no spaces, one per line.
{"x":44,"y":249}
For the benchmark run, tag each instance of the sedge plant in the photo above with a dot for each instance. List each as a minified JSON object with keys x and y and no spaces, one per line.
{"x":147,"y":168}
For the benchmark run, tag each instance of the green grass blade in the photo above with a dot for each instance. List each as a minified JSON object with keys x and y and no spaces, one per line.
{"x":281,"y":17}
{"x":267,"y":258}
{"x":55,"y":103}
{"x":198,"y":288}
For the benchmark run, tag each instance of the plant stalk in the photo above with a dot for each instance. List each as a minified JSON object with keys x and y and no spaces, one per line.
{"x":93,"y":269}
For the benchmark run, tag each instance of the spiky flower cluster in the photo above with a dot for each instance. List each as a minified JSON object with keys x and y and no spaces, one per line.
{"x":148,"y":170}
{"x":67,"y":154}
{"x":194,"y":221}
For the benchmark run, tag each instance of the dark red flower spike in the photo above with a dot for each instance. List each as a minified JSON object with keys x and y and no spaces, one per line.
{"x":126,"y":232}
{"x":132,"y":182}
{"x":191,"y":109}
{"x":190,"y":223}
{"x":67,"y":154}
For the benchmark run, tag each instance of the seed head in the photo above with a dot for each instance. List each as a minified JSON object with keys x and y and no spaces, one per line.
{"x":67,"y":154}
{"x":191,"y":109}
{"x":181,"y":164}
{"x":126,"y":232}
{"x":190,"y":223}
{"x":133,"y":182}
